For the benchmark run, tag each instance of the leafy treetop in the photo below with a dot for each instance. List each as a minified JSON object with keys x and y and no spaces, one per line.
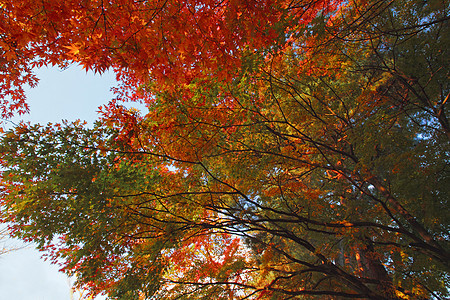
{"x":290,"y":150}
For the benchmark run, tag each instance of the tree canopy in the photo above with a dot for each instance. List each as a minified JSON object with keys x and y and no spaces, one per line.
{"x":291,"y":149}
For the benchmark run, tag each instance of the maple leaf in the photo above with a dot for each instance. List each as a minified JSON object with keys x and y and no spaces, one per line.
{"x":73,"y":50}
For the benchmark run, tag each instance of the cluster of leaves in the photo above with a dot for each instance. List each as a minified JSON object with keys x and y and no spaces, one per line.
{"x":291,"y":149}
{"x":169,"y":42}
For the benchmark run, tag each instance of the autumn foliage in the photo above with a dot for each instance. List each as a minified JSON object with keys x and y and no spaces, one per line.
{"x":291,"y":149}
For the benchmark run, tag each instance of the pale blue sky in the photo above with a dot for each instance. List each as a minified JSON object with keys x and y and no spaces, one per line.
{"x":69,"y":94}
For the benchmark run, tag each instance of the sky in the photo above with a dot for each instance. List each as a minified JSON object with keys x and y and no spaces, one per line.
{"x":69,"y":94}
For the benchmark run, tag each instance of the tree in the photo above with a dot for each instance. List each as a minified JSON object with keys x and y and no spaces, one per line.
{"x":303,"y":156}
